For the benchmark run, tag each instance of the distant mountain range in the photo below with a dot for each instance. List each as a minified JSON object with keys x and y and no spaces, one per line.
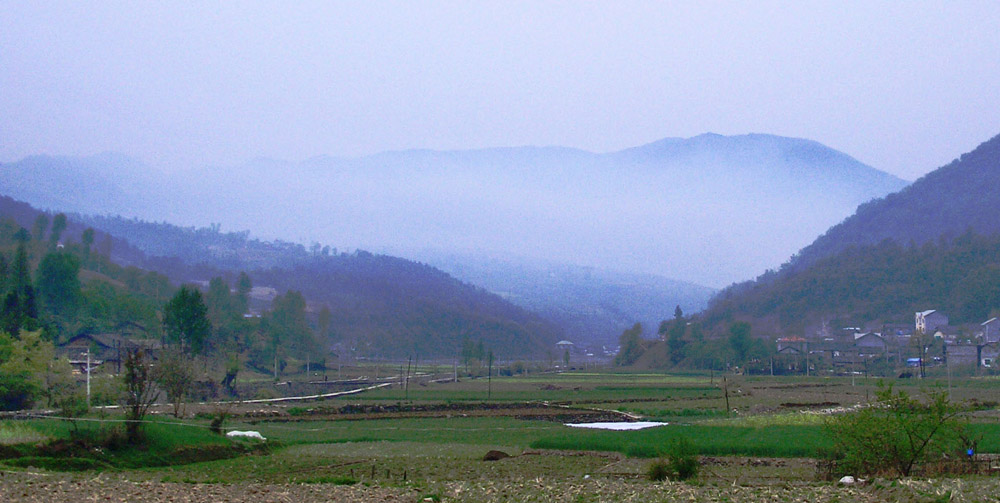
{"x":710,"y":209}
{"x":592,"y":305}
{"x":933,"y":245}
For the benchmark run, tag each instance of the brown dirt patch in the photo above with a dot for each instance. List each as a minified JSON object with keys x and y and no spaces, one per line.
{"x":46,"y":488}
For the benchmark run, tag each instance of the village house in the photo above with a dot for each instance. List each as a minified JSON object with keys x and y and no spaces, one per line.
{"x":990,"y":330}
{"x":792,"y":345}
{"x":103,"y":349}
{"x":870,"y":344}
{"x":928,"y":322}
{"x":962,"y":355}
{"x":988,"y":354}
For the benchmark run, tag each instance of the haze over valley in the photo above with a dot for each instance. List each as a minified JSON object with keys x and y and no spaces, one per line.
{"x":710,"y":210}
{"x":594,"y":173}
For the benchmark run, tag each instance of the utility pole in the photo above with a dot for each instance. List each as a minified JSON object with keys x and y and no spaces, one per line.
{"x":88,"y":378}
{"x":406,"y":385}
{"x":489,"y":378}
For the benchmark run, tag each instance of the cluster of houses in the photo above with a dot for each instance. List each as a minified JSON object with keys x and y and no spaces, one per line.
{"x":103,"y":350}
{"x":930,"y":341}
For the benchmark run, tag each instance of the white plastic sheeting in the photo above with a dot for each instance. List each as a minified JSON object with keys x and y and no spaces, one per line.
{"x":638,"y":425}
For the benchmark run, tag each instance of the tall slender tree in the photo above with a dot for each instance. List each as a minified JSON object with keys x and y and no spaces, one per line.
{"x":58,"y":226}
{"x":41,"y":225}
{"x":185,"y":320}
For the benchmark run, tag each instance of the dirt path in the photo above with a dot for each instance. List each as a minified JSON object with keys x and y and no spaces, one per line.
{"x":60,"y":488}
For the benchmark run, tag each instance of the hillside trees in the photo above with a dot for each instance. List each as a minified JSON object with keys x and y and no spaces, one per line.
{"x":185,"y":319}
{"x":58,"y":226}
{"x":59,"y":283}
{"x":243,"y":287}
{"x":287,"y":332}
{"x":631,"y":346}
{"x":87,"y":240}
{"x":740,"y":341}
{"x":674,"y":335}
{"x":19,"y":310}
{"x":886,"y":281}
{"x":222,"y":307}
{"x":23,"y":361}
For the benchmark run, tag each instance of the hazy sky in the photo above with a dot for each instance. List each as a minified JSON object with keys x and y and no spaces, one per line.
{"x":904,"y":86}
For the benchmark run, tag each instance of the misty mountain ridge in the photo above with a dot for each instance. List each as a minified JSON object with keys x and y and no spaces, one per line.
{"x":960,"y":196}
{"x":592,"y":305}
{"x":710,"y":209}
{"x":933,"y":245}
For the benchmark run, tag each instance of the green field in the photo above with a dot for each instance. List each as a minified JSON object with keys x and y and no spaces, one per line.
{"x":770,"y":418}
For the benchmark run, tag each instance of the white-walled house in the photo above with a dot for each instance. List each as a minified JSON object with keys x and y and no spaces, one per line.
{"x":928,"y":322}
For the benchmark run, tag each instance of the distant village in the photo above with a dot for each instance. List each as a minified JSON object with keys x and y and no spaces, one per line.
{"x":886,"y":349}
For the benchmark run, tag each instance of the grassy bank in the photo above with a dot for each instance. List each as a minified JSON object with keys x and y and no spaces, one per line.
{"x":61,"y":445}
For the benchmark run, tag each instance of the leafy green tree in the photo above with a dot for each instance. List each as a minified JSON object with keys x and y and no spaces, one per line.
{"x":23,"y":362}
{"x":59,"y":283}
{"x":288,"y":329}
{"x":19,"y":310}
{"x":221,"y":308}
{"x":630,"y":346}
{"x":41,"y":225}
{"x":20,"y":271}
{"x":58,"y":226}
{"x":22,"y":235}
{"x":740,"y":341}
{"x":185,"y":320}
{"x":243,"y":288}
{"x":675,"y":337}
{"x":897,"y":433}
{"x":88,"y":240}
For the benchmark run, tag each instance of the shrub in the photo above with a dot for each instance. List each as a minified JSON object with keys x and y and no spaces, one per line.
{"x":896,"y":433}
{"x":220,"y":417}
{"x":658,"y":470}
{"x":683,"y":461}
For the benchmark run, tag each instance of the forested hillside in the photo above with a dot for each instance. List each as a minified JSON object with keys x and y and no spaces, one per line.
{"x":933,"y":245}
{"x":948,"y":201}
{"x":887,"y":282}
{"x":379,"y":305}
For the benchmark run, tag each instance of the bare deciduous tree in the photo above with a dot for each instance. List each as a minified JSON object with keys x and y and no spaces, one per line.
{"x":140,"y":390}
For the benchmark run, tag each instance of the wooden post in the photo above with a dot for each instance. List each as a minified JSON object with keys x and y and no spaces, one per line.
{"x":88,"y":378}
{"x":725,"y":390}
{"x":406,"y":383}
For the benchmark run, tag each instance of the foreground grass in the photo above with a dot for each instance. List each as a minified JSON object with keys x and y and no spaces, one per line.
{"x":461,"y":430}
{"x":774,"y":441}
{"x":13,"y":433}
{"x":104,"y":445}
